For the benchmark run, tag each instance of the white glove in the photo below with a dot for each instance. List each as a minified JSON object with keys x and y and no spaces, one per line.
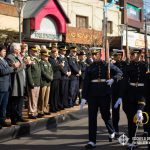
{"x":118,"y":102}
{"x":83,"y":101}
{"x":110,"y":82}
{"x":139,"y":116}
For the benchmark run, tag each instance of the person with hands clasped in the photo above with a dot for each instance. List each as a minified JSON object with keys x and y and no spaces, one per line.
{"x":97,"y":93}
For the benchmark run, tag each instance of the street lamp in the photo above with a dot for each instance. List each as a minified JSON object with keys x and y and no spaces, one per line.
{"x":19,"y":5}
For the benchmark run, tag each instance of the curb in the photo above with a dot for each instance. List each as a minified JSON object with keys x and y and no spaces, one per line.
{"x":28,"y":128}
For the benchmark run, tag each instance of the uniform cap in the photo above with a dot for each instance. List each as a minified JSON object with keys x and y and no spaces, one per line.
{"x":63,"y":48}
{"x":135,"y":51}
{"x":81,"y":53}
{"x":94,"y":52}
{"x":45,"y":54}
{"x":34,"y":48}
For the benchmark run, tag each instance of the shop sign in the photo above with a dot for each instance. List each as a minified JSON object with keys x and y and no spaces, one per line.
{"x":46,"y":36}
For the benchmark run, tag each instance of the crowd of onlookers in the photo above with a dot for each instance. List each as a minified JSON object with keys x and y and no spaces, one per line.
{"x":49,"y":79}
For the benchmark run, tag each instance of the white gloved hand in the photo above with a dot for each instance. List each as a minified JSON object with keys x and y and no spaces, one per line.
{"x":83,"y":101}
{"x":139,"y":116}
{"x":110,"y":82}
{"x":118,"y":102}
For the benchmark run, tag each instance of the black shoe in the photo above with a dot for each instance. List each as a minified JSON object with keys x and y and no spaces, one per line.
{"x":32,"y":117}
{"x":90,"y":145}
{"x":14,"y":122}
{"x":0,"y":127}
{"x":5,"y":124}
{"x":47,"y":113}
{"x":40,"y":115}
{"x":22,"y":120}
{"x":117,"y":135}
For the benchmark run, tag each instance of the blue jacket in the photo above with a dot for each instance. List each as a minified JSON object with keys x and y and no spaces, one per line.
{"x":5,"y":79}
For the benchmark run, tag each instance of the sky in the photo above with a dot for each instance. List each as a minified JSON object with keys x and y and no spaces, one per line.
{"x":147,"y":5}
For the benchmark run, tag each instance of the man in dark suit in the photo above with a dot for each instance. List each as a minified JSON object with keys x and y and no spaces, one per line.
{"x":5,"y":83}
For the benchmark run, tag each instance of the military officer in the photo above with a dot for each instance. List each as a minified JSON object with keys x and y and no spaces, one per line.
{"x":33,"y":82}
{"x":74,"y":78}
{"x":57,"y":66}
{"x":65,"y":74}
{"x":147,"y":107}
{"x":83,"y":65}
{"x":135,"y":102}
{"x":46,"y":78}
{"x":97,"y":91}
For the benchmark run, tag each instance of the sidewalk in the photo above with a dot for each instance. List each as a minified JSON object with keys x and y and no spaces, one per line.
{"x":35,"y":125}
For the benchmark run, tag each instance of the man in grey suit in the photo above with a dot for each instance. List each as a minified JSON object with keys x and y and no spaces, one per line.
{"x":5,"y":83}
{"x":18,"y":84}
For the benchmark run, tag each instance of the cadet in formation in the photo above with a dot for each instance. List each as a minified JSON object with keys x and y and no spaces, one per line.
{"x":97,"y":92}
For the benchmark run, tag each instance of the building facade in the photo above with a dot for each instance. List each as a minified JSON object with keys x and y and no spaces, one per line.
{"x":86,"y":18}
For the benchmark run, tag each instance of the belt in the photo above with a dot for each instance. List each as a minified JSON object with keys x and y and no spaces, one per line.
{"x":137,"y":84}
{"x":98,"y":80}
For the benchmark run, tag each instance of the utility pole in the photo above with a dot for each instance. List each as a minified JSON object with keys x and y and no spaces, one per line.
{"x":146,"y":45}
{"x":106,"y":43}
{"x":127,"y":47}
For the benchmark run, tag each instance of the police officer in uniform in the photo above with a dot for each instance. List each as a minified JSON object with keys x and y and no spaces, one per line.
{"x":57,"y":66}
{"x":46,"y":78}
{"x":64,"y":86}
{"x":147,"y":107}
{"x":97,"y":91}
{"x":83,"y":65}
{"x":135,"y":102}
{"x":119,"y":89}
{"x":74,"y":78}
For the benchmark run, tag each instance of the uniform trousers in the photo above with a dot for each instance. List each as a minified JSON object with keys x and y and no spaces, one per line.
{"x":130,"y":106}
{"x":33,"y":100}
{"x":115,"y":113}
{"x":101,"y":103}
{"x":73,"y":90}
{"x":64,"y":92}
{"x":43,"y":102}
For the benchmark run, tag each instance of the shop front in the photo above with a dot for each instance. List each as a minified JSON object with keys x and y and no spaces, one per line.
{"x":45,"y":22}
{"x":135,"y":40}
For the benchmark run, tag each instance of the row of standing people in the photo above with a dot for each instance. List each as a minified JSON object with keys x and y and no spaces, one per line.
{"x":51,"y":82}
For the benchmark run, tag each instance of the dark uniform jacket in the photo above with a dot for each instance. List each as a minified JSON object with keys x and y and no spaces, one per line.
{"x":83,"y":65}
{"x":34,"y":73}
{"x":5,"y":80}
{"x":46,"y":73}
{"x":66,"y":67}
{"x":74,"y":66}
{"x":136,"y":74}
{"x":57,"y":69}
{"x":95,"y":71}
{"x":120,"y":87}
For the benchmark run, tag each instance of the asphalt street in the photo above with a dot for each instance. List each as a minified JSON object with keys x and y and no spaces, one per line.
{"x":72,"y":135}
